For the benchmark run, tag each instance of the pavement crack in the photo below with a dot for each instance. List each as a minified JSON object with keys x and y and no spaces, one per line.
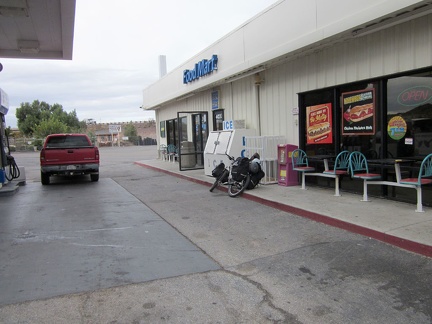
{"x":267,"y":300}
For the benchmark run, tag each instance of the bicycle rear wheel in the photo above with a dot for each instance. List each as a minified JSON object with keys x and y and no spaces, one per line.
{"x":219,"y":179}
{"x":236,"y":188}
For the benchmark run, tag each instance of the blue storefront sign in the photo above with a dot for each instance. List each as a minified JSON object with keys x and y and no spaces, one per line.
{"x":215,"y":100}
{"x":201,"y":68}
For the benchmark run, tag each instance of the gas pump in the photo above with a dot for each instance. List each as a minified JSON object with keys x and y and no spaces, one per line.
{"x":8,"y":168}
{"x":3,"y":156}
{"x":8,"y":164}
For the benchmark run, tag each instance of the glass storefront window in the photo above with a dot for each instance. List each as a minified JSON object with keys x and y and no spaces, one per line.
{"x":409,"y":116}
{"x":218,"y":118}
{"x":184,"y":129}
{"x":162,"y":129}
{"x":387,"y":118}
{"x":171,"y":131}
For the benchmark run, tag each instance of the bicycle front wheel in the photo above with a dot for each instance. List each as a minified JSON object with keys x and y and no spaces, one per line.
{"x":236,"y":188}
{"x":219,"y":179}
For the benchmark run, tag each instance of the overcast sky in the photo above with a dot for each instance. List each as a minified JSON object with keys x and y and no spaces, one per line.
{"x":116,"y":50}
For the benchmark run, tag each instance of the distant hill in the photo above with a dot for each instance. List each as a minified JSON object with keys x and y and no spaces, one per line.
{"x":145,"y":129}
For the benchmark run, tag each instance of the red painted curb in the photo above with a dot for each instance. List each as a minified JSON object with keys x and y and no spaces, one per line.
{"x":408,"y":245}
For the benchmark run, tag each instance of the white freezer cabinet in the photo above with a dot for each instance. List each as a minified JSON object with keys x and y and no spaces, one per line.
{"x":220,"y":143}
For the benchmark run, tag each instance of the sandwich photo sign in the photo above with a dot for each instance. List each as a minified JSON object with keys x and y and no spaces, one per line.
{"x":319,"y":124}
{"x":358,"y":111}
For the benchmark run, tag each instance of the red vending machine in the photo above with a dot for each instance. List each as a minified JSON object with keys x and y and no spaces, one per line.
{"x":286,"y":175}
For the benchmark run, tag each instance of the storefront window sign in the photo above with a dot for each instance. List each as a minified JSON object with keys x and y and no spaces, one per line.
{"x":396,"y":127}
{"x":319,"y":124}
{"x":358,"y":112}
{"x":415,"y":96}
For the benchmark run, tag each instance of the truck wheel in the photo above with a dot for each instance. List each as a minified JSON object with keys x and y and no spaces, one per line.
{"x":94,"y":177}
{"x":45,"y":178}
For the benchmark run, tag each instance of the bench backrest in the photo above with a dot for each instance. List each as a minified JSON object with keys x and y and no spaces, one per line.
{"x":425,"y":168}
{"x":358,"y":163}
{"x":342,"y":161}
{"x":171,"y":149}
{"x":299,"y":158}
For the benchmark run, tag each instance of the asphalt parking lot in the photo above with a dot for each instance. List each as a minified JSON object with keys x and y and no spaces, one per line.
{"x":142,"y":246}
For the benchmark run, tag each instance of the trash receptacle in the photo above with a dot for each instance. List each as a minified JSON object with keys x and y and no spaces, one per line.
{"x":187,"y":157}
{"x":286,"y":175}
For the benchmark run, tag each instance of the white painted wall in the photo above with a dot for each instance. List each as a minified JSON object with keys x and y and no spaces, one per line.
{"x":285,"y":27}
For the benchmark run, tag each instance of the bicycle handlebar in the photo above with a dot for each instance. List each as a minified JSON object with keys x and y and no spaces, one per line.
{"x":230,"y":157}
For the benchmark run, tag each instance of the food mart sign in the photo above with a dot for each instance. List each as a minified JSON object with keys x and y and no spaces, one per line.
{"x":201,"y":68}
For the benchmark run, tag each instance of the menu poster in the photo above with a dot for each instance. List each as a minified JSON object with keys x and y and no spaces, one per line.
{"x":358,"y":111}
{"x":319,"y":124}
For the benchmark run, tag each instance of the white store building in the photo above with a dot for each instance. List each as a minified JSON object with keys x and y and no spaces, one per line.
{"x":295,"y":71}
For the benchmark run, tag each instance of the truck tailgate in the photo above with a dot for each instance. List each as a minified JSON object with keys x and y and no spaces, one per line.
{"x":80,"y":155}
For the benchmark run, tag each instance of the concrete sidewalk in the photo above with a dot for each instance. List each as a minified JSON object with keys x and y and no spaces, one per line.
{"x":388,"y":221}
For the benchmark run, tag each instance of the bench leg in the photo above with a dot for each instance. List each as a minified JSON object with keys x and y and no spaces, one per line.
{"x":303,"y":181}
{"x":337,"y":194}
{"x":419,"y":200}
{"x":365,"y":195}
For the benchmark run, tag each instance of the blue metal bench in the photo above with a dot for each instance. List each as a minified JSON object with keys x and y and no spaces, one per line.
{"x":359,"y":169}
{"x":300,"y":163}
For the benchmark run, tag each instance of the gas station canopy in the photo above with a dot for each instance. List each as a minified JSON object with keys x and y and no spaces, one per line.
{"x":37,"y":29}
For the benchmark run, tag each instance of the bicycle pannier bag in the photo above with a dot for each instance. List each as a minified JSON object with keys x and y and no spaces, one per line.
{"x":255,"y":179}
{"x":218,"y":170}
{"x":240,"y":169}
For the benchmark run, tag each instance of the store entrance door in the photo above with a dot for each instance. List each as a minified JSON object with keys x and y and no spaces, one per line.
{"x":193,"y":134}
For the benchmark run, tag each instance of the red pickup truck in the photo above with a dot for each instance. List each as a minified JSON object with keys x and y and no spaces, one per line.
{"x":68,"y":155}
